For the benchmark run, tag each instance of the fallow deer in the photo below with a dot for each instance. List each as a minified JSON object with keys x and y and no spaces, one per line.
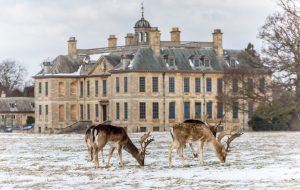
{"x":89,"y":142}
{"x":185,"y":132}
{"x":118,"y":138}
{"x":213,"y":129}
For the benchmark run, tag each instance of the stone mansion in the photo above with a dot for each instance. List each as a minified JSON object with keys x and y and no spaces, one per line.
{"x":145,"y":85}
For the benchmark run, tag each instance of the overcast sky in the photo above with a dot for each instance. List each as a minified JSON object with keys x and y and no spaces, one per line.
{"x":34,"y":30}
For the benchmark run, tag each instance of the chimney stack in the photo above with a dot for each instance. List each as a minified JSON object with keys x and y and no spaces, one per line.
{"x":155,"y":40}
{"x":72,"y":47}
{"x":129,"y":39}
{"x":175,"y":35}
{"x":112,"y":41}
{"x":218,"y":41}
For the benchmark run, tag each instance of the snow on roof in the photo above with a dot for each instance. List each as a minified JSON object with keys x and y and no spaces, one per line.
{"x":76,"y":73}
{"x":96,"y":57}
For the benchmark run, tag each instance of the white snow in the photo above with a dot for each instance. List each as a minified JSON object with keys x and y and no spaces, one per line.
{"x":76,"y":73}
{"x":257,"y":161}
{"x":191,"y":63}
{"x":130,"y":64}
{"x":96,"y":57}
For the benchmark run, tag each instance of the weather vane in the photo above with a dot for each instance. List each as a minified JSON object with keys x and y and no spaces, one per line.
{"x":142,"y":9}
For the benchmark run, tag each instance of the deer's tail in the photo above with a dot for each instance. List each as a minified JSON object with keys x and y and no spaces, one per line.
{"x":171,"y":132}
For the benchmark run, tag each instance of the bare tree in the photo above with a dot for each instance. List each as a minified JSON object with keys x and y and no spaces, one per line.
{"x":11,"y":75}
{"x":246,"y":81}
{"x":281,"y":52}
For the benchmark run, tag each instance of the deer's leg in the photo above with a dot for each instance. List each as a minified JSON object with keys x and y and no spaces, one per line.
{"x":193,"y":150}
{"x":120,"y":155}
{"x":201,"y":152}
{"x":102,"y":155}
{"x":173,"y":145}
{"x":180,"y":150}
{"x":91,"y":152}
{"x":111,"y":151}
{"x":96,"y":157}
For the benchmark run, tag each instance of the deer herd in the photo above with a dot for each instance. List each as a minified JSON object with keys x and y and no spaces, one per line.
{"x":189,"y":132}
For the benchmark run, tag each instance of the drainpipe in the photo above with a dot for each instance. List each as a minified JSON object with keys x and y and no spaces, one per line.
{"x":203,"y":87}
{"x":164,"y":100}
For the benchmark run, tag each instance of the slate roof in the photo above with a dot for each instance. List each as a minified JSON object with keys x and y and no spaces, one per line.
{"x":16,"y":104}
{"x":144,"y":60}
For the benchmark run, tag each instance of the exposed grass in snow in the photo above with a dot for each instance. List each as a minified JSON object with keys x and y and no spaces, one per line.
{"x":257,"y":161}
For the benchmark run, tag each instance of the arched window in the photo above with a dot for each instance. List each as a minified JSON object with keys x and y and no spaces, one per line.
{"x":146,"y":37}
{"x":141,"y":36}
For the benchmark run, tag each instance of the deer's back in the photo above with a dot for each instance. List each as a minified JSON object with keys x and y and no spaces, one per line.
{"x":191,"y":131}
{"x":110,"y":133}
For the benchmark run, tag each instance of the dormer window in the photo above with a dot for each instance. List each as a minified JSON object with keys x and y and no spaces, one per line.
{"x":171,"y":62}
{"x":32,"y":104}
{"x":12,"y":105}
{"x":232,"y":62}
{"x":197,"y":62}
{"x":206,"y":62}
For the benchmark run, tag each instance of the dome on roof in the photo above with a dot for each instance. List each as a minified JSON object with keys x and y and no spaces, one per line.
{"x":142,"y":23}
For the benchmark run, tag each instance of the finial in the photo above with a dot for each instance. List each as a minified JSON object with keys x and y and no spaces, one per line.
{"x":142,"y":9}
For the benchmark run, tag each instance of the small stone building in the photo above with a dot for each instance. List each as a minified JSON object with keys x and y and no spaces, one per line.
{"x":14,"y":111}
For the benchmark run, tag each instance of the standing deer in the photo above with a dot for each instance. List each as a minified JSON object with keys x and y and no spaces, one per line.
{"x":89,"y":142}
{"x":118,"y":138}
{"x":185,"y":132}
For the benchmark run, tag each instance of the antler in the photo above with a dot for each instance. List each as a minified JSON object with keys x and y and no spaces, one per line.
{"x":148,"y":141}
{"x":144,"y":141}
{"x":231,"y":138}
{"x":205,"y":117}
{"x":217,"y":124}
{"x":144,"y":137}
{"x":223,"y":134}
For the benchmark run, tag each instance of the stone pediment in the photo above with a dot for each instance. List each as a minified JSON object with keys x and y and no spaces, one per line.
{"x":101,"y":67}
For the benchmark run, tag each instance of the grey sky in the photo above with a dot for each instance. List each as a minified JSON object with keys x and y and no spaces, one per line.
{"x":33,"y":30}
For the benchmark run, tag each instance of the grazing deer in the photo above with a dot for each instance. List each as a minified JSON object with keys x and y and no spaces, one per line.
{"x":213,"y":129}
{"x":185,"y":132}
{"x":118,"y":138}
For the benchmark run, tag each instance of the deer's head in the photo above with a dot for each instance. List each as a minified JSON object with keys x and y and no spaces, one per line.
{"x":144,"y":142}
{"x":226,"y":147}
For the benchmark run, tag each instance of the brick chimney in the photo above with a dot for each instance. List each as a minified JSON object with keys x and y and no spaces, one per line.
{"x":72,"y":47}
{"x":175,"y":35}
{"x":112,"y":41}
{"x":218,"y":41}
{"x":129,"y":39}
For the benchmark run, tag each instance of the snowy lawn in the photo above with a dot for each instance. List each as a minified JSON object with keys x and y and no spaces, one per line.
{"x":257,"y":161}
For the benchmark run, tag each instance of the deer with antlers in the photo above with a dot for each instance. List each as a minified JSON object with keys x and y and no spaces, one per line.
{"x":213,"y":129}
{"x":117,"y":138}
{"x":199,"y":132}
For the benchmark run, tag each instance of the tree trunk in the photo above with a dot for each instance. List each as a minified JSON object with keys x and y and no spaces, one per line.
{"x":295,"y":120}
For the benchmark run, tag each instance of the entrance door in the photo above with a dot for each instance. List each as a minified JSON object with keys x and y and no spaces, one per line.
{"x":104,"y":112}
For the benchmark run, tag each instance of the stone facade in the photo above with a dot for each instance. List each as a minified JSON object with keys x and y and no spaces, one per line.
{"x":14,"y":111}
{"x":146,"y":85}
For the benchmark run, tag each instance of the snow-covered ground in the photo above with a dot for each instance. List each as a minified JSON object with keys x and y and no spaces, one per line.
{"x":257,"y":161}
